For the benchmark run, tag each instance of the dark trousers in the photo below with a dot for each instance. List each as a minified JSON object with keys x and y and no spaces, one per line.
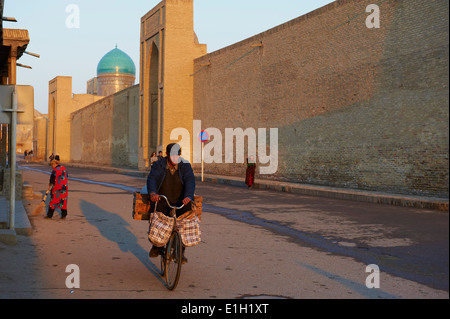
{"x":52,"y":210}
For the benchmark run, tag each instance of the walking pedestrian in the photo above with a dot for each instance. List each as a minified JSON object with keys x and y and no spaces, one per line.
{"x":153,"y":158}
{"x":250,"y":172}
{"x":58,"y":187}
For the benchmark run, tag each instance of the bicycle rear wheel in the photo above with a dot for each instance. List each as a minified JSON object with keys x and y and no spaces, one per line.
{"x":174,"y":256}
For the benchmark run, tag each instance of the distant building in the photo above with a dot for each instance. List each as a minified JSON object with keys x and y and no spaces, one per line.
{"x":91,"y":87}
{"x":115,"y":72}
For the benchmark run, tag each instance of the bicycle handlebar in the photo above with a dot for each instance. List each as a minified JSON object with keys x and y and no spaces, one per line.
{"x":173,"y":207}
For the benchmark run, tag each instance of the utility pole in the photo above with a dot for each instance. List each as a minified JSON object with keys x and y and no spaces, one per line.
{"x":12,"y":154}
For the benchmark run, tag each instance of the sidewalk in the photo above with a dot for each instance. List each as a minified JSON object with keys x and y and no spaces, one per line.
{"x":22,"y":224}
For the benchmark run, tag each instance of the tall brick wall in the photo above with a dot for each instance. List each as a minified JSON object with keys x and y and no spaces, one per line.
{"x":355,"y":107}
{"x":107,"y":131}
{"x":168,"y":49}
{"x":61,"y":103}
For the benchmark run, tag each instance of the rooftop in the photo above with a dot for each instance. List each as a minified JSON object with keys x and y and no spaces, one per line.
{"x":116,"y":61}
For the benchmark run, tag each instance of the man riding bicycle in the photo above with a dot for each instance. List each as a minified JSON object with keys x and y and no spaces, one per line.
{"x":173,"y":177}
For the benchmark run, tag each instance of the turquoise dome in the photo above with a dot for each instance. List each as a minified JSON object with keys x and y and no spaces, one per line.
{"x":116,"y":61}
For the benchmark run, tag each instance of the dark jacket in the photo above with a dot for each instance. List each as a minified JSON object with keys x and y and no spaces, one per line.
{"x":158,"y":173}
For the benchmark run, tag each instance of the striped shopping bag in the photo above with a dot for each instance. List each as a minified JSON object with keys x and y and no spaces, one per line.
{"x":160,"y":229}
{"x":189,"y":228}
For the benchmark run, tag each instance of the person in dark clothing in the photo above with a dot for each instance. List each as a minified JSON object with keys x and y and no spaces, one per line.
{"x":250,"y":172}
{"x":173,"y":177}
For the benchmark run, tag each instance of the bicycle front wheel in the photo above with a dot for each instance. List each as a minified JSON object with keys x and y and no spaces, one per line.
{"x":174,"y":255}
{"x":163,"y":264}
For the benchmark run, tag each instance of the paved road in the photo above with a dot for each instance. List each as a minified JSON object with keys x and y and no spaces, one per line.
{"x":255,"y":244}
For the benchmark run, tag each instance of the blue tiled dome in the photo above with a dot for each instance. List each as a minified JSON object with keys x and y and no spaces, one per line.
{"x":116,"y":61}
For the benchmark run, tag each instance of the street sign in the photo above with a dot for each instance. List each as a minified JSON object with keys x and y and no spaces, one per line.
{"x":203,"y":136}
{"x":25,"y":104}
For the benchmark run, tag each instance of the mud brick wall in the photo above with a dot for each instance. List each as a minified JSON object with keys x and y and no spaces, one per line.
{"x":106,"y":132}
{"x":355,"y":107}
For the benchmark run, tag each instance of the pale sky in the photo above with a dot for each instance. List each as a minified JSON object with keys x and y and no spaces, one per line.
{"x":76,"y":52}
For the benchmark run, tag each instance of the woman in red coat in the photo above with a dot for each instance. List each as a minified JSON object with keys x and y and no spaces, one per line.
{"x":250,"y":172}
{"x":59,"y":190}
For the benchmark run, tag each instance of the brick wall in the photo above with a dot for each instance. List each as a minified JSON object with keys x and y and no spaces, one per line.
{"x":168,"y":49}
{"x":355,"y":107}
{"x":106,"y":132}
{"x":61,"y":103}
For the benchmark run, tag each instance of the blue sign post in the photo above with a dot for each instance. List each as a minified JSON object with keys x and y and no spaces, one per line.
{"x":203,"y":137}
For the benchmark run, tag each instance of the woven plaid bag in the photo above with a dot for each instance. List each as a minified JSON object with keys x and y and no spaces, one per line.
{"x":189,"y":228}
{"x":160,"y":228}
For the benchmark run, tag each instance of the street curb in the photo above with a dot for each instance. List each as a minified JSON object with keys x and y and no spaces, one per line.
{"x":8,"y":237}
{"x":337,"y":193}
{"x":22,"y":225}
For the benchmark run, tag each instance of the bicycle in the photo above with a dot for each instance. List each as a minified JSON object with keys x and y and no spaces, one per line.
{"x":172,"y":252}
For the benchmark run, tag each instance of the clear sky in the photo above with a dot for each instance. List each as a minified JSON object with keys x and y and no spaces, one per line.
{"x":76,"y":52}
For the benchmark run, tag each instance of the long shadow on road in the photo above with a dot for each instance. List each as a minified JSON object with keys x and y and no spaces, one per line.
{"x":114,"y":228}
{"x":405,"y":262}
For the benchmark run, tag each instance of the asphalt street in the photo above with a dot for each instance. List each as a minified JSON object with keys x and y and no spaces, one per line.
{"x":255,"y":244}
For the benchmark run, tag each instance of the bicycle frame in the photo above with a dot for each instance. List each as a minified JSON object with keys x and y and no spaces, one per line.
{"x":172,"y":251}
